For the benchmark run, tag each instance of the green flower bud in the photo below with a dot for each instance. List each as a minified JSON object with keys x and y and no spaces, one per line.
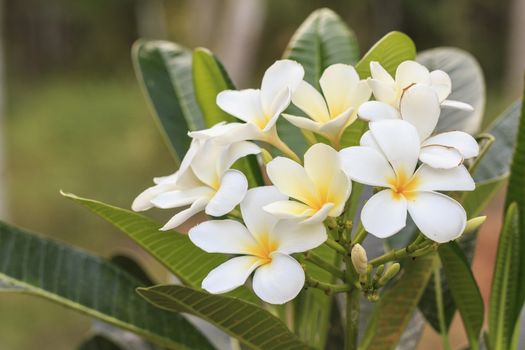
{"x":474,"y":223}
{"x":389,"y":274}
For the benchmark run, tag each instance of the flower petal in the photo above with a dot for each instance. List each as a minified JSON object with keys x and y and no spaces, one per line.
{"x":384,"y":214}
{"x":411,"y":72}
{"x":376,"y":110}
{"x":279,"y":281}
{"x":399,"y":142}
{"x":320,"y":215}
{"x":368,"y":140}
{"x":383,"y":92}
{"x":230,"y":275}
{"x":338,"y":82}
{"x":235,"y":152}
{"x":463,"y":142}
{"x":291,"y":179}
{"x":458,"y":105}
{"x":455,"y":179}
{"x":179,"y":198}
{"x":440,"y":157}
{"x":321,"y":163}
{"x":420,"y":107}
{"x":336,"y":126}
{"x":310,"y":101}
{"x":289,"y":210}
{"x":182,"y":216}
{"x":280,"y":102}
{"x":280,"y":75}
{"x":441,"y":83}
{"x":379,"y":73}
{"x":143,"y":200}
{"x":437,"y":216}
{"x":366,"y":165}
{"x":222,"y":236}
{"x":230,"y":193}
{"x":303,"y":123}
{"x":295,"y":238}
{"x":243,"y":104}
{"x":255,"y":218}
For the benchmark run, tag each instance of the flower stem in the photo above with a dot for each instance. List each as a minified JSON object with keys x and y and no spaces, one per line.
{"x":274,"y":140}
{"x":360,"y":235}
{"x":327,"y":287}
{"x":320,"y":262}
{"x":336,"y":246}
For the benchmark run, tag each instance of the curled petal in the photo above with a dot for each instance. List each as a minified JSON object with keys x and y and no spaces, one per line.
{"x":243,"y":104}
{"x":383,"y":92}
{"x":230,"y":193}
{"x":279,"y":76}
{"x":289,"y":210}
{"x":179,"y":198}
{"x":379,"y":73}
{"x":143,"y":200}
{"x":440,"y":157}
{"x":420,"y":107}
{"x":230,"y":275}
{"x":441,"y":83}
{"x":411,"y":72}
{"x":182,"y":216}
{"x":458,"y":105}
{"x":338,"y":83}
{"x":463,"y":142}
{"x":295,"y":238}
{"x":310,"y":101}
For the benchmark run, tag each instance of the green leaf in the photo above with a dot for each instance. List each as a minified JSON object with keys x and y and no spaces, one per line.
{"x":322,"y":39}
{"x":504,"y":297}
{"x":99,"y":342}
{"x":173,"y":250}
{"x":163,"y":70}
{"x":389,"y":51}
{"x":496,"y":162}
{"x":396,"y":306}
{"x":132,"y":267}
{"x":475,"y":201}
{"x":464,"y":290}
{"x":88,"y":284}
{"x":250,"y":324}
{"x":468,"y":85}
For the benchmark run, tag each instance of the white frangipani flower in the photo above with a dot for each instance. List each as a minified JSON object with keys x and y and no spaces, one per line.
{"x":391,"y":163}
{"x":389,"y":90}
{"x":204,"y":181}
{"x":330,"y":115}
{"x":420,"y":107}
{"x":258,"y":108}
{"x":320,"y":188}
{"x":265,"y":245}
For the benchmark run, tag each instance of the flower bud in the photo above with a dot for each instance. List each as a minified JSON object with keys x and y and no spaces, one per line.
{"x":389,"y":274}
{"x":359,"y":259}
{"x":474,"y":223}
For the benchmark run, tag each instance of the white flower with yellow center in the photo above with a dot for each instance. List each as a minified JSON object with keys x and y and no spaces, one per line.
{"x":204,"y":181}
{"x":258,"y":108}
{"x":264,"y":246}
{"x":389,"y":90}
{"x":320,"y":188}
{"x":330,"y":115}
{"x":391,"y":162}
{"x":420,"y":107}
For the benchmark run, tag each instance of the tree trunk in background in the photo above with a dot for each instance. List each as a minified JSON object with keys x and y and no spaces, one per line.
{"x":516,"y":49}
{"x":3,"y":187}
{"x":151,"y":19}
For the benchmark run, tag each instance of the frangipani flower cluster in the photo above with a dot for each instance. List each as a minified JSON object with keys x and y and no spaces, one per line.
{"x":304,"y":197}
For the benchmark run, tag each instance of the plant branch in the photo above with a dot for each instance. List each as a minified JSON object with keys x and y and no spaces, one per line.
{"x":320,"y":262}
{"x":328,"y":288}
{"x":336,"y":246}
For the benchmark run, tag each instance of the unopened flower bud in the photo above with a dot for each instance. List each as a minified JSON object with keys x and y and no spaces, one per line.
{"x":474,"y":223}
{"x":359,"y":259}
{"x":266,"y":156}
{"x":373,"y":297}
{"x":389,"y":274}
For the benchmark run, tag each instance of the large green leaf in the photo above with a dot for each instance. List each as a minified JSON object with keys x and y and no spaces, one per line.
{"x":174,"y":250}
{"x":396,"y":306}
{"x":468,"y":85}
{"x":99,"y":342}
{"x":88,"y":284}
{"x":504,"y":297}
{"x":250,"y":324}
{"x":163,"y":70}
{"x":389,"y":51}
{"x":322,"y":40}
{"x":464,"y":290}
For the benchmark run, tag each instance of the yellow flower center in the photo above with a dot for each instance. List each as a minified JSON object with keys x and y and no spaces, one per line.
{"x":264,"y":248}
{"x":403,"y":186}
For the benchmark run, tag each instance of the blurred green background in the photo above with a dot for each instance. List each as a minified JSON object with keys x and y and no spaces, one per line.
{"x":75,"y":119}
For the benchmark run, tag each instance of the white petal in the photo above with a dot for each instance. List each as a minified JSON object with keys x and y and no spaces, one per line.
{"x":411,"y":72}
{"x":458,"y":105}
{"x":384,"y":214}
{"x":204,"y":164}
{"x":295,"y":238}
{"x":279,"y":281}
{"x":310,"y":101}
{"x":366,"y":165}
{"x":439,"y":217}
{"x":231,"y":192}
{"x":399,"y":142}
{"x":255,"y":218}
{"x":179,"y":198}
{"x":441,"y":83}
{"x":229,"y":133}
{"x":383,"y":92}
{"x":455,"y":179}
{"x":222,"y":236}
{"x":440,"y":157}
{"x":336,"y":126}
{"x":182,"y":216}
{"x":368,"y":140}
{"x":303,"y":123}
{"x":376,"y":110}
{"x":230,"y":275}
{"x":360,"y":94}
{"x":320,"y":215}
{"x":169,"y":179}
{"x":420,"y":107}
{"x":463,"y":142}
{"x":280,"y":102}
{"x":338,"y":192}
{"x":379,"y":73}
{"x":143,"y":200}
{"x":289,"y":210}
{"x":321,"y":163}
{"x":291,"y":179}
{"x":235,"y":152}
{"x":242,"y":104}
{"x":338,"y":82}
{"x":282,"y":74}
